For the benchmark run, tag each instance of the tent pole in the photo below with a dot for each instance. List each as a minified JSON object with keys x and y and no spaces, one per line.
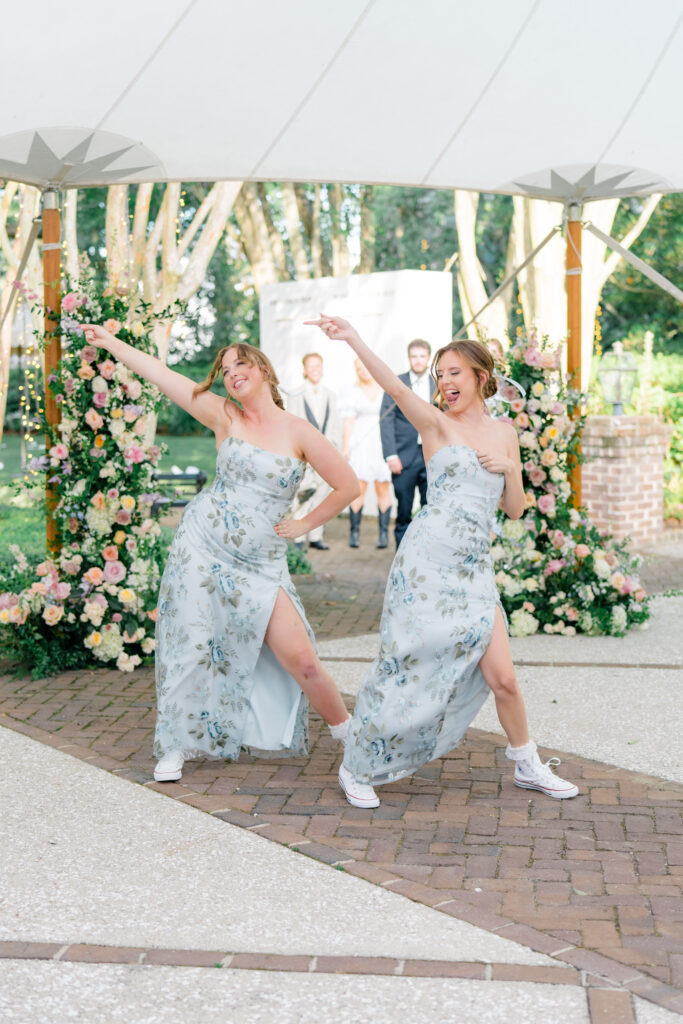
{"x":573,"y":272}
{"x":52,"y":302}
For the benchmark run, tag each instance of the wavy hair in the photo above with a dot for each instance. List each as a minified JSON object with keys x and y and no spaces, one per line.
{"x":252,"y":355}
{"x":475,"y":355}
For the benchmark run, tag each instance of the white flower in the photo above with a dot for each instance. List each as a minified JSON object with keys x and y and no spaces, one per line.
{"x":78,"y":488}
{"x":98,"y":520}
{"x":618,"y":620}
{"x":116,"y":428}
{"x":99,"y":384}
{"x":107,"y":471}
{"x":586,"y":622}
{"x":137,"y":329}
{"x":148,"y":644}
{"x":527,"y":439}
{"x":127,"y":662}
{"x":523,"y":623}
{"x":514,"y":529}
{"x":601,"y":567}
{"x":111,"y":645}
{"x":497,"y":552}
{"x":556,"y":474}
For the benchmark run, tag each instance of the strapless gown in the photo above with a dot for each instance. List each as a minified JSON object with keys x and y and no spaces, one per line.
{"x":425,"y":686}
{"x":219,"y":688}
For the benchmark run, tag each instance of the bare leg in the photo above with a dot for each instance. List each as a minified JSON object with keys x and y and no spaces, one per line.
{"x":289,"y":641}
{"x":498,"y":671}
{"x":383,"y":495}
{"x":357,"y":505}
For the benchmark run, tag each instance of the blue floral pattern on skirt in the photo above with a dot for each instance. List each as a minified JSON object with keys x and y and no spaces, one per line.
{"x":224,"y":570}
{"x":425,"y":686}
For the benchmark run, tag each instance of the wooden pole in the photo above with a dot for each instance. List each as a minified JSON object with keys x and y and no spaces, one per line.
{"x":52,"y":300}
{"x":573,"y":272}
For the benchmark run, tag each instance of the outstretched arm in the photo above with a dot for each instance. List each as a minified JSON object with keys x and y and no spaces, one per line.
{"x":206,"y":407}
{"x":424,"y":417}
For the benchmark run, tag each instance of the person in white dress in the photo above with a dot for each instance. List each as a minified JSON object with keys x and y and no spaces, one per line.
{"x":362,"y":446}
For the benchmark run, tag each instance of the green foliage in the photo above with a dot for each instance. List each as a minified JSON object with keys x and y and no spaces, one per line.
{"x":297,"y":562}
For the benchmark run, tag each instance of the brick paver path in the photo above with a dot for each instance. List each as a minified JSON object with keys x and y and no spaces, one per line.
{"x":596,"y":881}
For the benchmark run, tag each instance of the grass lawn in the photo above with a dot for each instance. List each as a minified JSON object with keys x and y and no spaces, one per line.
{"x":26,"y":526}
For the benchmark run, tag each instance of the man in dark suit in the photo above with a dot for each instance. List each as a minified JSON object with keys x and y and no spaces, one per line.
{"x":401,"y":444}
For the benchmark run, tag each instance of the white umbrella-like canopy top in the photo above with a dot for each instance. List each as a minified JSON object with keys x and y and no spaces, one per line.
{"x":567,"y":101}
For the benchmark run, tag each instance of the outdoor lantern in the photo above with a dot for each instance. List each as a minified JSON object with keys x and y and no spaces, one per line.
{"x":617,"y":374}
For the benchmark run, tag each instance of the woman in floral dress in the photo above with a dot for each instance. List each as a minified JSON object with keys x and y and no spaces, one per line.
{"x":235,"y":660}
{"x":444,"y":641}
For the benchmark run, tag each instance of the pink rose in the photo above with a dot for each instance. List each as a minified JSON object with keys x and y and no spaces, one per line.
{"x":93,"y":419}
{"x":134,"y":453}
{"x":89,"y":354}
{"x":59,"y":451}
{"x":113,"y":493}
{"x":7,"y":600}
{"x":110,"y":553}
{"x":522,"y":420}
{"x":133,"y":389}
{"x":62,"y":591}
{"x":114,"y":572}
{"x":532,"y":358}
{"x":71,"y":567}
{"x":131,"y":543}
{"x":582,"y":551}
{"x":123,"y":517}
{"x":537,"y":476}
{"x":517,"y":404}
{"x":554,"y":565}
{"x":639,"y":594}
{"x":107,"y":369}
{"x":546,"y":505}
{"x":557,"y":538}
{"x":117,"y":616}
{"x":572,"y":615}
{"x":153,"y":452}
{"x":111,"y":325}
{"x":70,"y":302}
{"x":99,"y":399}
{"x":557,"y":408}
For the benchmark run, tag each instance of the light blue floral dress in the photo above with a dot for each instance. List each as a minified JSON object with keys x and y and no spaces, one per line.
{"x":425,"y":686}
{"x":219,"y":688}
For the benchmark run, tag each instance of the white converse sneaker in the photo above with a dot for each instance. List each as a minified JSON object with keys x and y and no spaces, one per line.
{"x":170,"y":767}
{"x":530,"y":775}
{"x":359,"y":794}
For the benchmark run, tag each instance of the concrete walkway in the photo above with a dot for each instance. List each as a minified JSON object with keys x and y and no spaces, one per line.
{"x":460,"y":899}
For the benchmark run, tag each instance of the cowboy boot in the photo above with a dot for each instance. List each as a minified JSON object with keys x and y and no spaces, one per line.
{"x":384,"y":527}
{"x":354,"y":535}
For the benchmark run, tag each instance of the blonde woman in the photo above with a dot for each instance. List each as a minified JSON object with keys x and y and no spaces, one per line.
{"x":362,"y":446}
{"x":444,"y":642}
{"x":235,"y":662}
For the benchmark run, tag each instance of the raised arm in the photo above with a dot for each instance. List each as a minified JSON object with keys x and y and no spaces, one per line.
{"x":424,"y":417}
{"x":206,"y":407}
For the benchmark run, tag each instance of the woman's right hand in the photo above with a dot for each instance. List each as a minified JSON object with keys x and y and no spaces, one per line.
{"x":335,"y":327}
{"x":96,"y":335}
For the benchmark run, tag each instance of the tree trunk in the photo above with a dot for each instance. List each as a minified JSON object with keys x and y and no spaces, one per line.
{"x":254,"y":237}
{"x":471,"y":289}
{"x":294,"y":233}
{"x":341,"y":260}
{"x":367,"y":230}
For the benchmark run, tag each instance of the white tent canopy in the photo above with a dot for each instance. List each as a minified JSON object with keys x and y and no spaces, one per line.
{"x":570,"y":102}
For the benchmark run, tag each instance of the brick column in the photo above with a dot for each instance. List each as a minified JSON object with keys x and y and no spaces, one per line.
{"x":623,"y":487}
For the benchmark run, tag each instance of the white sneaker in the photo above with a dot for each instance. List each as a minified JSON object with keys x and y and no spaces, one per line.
{"x":541,"y":776}
{"x":359,"y":794}
{"x":170,"y":767}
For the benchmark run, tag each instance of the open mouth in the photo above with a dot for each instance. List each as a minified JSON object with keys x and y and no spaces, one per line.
{"x":237,"y":384}
{"x":451,"y":395}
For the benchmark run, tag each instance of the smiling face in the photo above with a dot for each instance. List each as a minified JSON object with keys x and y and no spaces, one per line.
{"x":313,"y":369}
{"x":362,"y":372}
{"x":241,"y":378}
{"x":457,"y":382}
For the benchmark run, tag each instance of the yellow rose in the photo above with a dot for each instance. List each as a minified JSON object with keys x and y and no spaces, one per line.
{"x":127,"y":502}
{"x":99,"y":441}
{"x":94,"y":640}
{"x":126,"y":596}
{"x":137,"y":329}
{"x":537,"y":389}
{"x":119,"y":537}
{"x":116,"y":414}
{"x":4,"y":616}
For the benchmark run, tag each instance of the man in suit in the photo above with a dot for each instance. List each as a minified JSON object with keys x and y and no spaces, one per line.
{"x":401,"y":444}
{"x":317,"y":404}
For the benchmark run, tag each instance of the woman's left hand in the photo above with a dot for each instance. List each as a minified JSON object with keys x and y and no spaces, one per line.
{"x":290,"y":529}
{"x":494,"y":462}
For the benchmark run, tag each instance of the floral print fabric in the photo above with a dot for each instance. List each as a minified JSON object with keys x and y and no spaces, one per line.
{"x":425,"y":686}
{"x":216,"y":681}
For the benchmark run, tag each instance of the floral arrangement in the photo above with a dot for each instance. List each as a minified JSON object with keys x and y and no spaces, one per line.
{"x":555,"y":571}
{"x":97,"y":600}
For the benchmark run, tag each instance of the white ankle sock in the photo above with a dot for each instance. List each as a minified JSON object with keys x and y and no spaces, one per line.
{"x":339,"y":732}
{"x":525,"y":753}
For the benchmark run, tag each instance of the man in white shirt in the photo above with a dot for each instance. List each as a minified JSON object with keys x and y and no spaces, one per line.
{"x":401,"y":443}
{"x":318,"y":405}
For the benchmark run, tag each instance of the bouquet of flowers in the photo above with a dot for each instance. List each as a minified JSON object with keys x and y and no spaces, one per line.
{"x":555,"y":571}
{"x":97,"y":600}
